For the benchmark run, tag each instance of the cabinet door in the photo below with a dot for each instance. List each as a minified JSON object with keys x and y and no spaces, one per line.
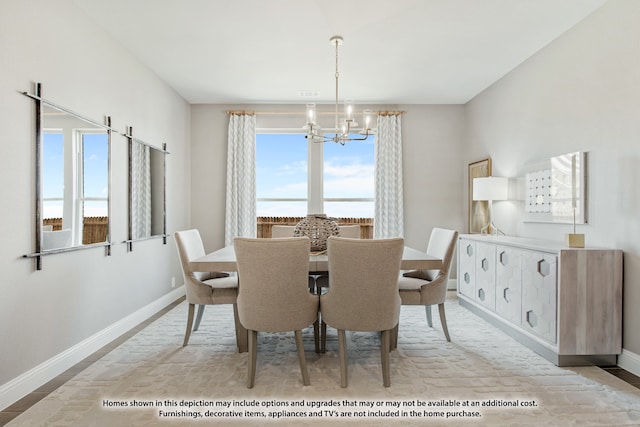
{"x":486,"y":275}
{"x":466,"y":267}
{"x":509,"y":283}
{"x":539,"y":273}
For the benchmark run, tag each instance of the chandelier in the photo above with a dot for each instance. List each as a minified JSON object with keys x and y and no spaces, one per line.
{"x":344,"y":125}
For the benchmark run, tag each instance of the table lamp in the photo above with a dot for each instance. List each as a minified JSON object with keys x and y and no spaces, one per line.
{"x":490,"y":188}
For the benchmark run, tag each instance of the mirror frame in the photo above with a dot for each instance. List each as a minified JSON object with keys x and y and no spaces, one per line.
{"x":130,"y":239}
{"x":40,"y":102}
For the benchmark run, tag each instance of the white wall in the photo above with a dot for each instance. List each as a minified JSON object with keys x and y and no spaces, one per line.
{"x":77,"y":294}
{"x":433,"y":177}
{"x":580,"y":93}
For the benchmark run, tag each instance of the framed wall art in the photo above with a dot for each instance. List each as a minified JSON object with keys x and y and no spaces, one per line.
{"x":478,"y":209}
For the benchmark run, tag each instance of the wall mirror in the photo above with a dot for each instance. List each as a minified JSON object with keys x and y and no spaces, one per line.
{"x":72,"y":180}
{"x":147,"y":191}
{"x":556,"y":189}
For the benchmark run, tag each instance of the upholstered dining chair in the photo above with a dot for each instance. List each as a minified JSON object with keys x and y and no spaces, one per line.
{"x":349,"y":231}
{"x":272,"y":295}
{"x":279,"y":231}
{"x":204,"y":288}
{"x":429,"y":287}
{"x":363,"y":294}
{"x":282,"y":231}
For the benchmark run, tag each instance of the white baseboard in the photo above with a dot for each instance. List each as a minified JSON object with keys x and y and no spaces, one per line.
{"x":24,"y":384}
{"x":629,"y":362}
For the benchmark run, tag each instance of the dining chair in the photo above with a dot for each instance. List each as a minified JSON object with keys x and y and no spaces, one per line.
{"x":429,"y":287}
{"x":364,"y":293}
{"x":272,"y":295}
{"x":279,"y":231}
{"x":282,"y":231}
{"x":204,"y":288}
{"x":349,"y":231}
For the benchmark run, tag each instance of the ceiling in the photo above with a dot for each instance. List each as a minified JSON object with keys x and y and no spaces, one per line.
{"x":277,"y":51}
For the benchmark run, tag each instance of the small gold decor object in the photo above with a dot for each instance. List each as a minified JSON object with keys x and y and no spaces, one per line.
{"x":575,"y":240}
{"x":318,"y":228}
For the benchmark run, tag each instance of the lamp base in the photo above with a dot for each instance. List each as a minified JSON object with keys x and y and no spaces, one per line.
{"x":575,"y":240}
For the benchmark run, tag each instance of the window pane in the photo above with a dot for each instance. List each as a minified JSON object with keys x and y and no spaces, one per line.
{"x":282,"y":208}
{"x":52,"y":166}
{"x":348,"y":170}
{"x":95,"y":208}
{"x":95,"y":164}
{"x":281,"y":166}
{"x":349,"y":209}
{"x":52,"y":208}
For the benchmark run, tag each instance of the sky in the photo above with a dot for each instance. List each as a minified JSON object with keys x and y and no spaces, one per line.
{"x":281,"y":172}
{"x":96,"y":173}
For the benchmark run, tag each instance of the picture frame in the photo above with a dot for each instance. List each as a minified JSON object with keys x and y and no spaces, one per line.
{"x":478,"y":209}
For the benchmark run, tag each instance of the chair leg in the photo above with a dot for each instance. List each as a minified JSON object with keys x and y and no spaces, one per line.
{"x":316,"y":335}
{"x":253,"y":356}
{"x":241,"y":331}
{"x":198,"y":317}
{"x":394,"y":338}
{"x":301,"y":358}
{"x":443,"y":321}
{"x":323,"y":337}
{"x":384,"y":355}
{"x":187,"y":334}
{"x":342,"y":350}
{"x":429,"y":320}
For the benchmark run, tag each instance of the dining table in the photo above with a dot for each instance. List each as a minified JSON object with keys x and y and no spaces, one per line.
{"x":224,"y":259}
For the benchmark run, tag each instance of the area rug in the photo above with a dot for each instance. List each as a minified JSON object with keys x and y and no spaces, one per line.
{"x":481,"y":377}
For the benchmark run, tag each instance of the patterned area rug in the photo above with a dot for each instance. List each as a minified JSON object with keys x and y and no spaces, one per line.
{"x":482,"y":377}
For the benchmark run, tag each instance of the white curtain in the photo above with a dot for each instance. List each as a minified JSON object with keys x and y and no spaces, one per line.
{"x":240,"y":217}
{"x":140,"y":191}
{"x":389,"y":213}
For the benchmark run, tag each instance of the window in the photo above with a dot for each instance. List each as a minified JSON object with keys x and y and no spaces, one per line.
{"x":75,"y":179}
{"x":293,"y":174}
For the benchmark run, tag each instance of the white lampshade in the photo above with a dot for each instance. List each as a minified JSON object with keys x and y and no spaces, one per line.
{"x":491,"y":188}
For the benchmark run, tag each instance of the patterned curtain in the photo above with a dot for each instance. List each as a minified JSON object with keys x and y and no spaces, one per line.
{"x":240,"y":218}
{"x":389,"y":213}
{"x":140,"y":191}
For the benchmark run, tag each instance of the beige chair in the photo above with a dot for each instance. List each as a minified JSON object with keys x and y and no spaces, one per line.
{"x":348,"y":231}
{"x":363,"y":294}
{"x":204,"y":288}
{"x":282,"y":231}
{"x":428,"y":287}
{"x":272,"y":294}
{"x":279,"y":231}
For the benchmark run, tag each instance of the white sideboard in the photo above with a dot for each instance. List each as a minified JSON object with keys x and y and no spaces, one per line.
{"x":564,"y":303}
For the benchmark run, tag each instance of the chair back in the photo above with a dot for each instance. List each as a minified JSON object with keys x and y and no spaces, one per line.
{"x":363,"y":273}
{"x":273,"y":293}
{"x":190,"y":247}
{"x":442,"y":244}
{"x":189,"y":244}
{"x":350,"y":231}
{"x":282,"y":231}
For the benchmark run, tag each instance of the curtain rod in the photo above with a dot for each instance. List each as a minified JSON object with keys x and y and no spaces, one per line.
{"x":319,"y":113}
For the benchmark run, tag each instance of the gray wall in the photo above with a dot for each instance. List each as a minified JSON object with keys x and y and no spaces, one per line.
{"x":77,"y":294}
{"x":580,"y":93}
{"x":433,"y":175}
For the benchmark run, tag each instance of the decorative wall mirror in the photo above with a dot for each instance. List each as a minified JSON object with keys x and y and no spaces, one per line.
{"x":72,"y":180}
{"x":147,"y":191}
{"x":556,"y":190}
